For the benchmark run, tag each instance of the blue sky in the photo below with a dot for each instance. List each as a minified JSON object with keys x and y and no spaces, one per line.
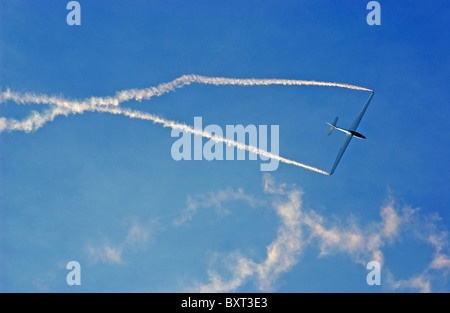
{"x":104,"y":190}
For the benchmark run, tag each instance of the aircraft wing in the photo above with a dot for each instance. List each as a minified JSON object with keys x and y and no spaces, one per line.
{"x":360,"y":115}
{"x":344,"y":146}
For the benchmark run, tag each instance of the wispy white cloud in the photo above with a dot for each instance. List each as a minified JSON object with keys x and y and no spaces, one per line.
{"x":108,"y":253}
{"x":440,"y":261}
{"x":137,"y":233}
{"x":363,"y":243}
{"x":281,"y":254}
{"x":440,"y":242}
{"x":301,"y":228}
{"x":213,"y":200}
{"x":105,"y":254}
{"x":420,"y":283}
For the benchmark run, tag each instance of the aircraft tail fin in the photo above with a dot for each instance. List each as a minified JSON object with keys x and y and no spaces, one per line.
{"x":332,"y":125}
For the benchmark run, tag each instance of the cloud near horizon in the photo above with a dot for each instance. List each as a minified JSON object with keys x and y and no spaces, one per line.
{"x":108,"y":253}
{"x":302,"y":228}
{"x":298,"y":230}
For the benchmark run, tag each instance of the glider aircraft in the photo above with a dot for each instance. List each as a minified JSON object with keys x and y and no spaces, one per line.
{"x":350,"y":133}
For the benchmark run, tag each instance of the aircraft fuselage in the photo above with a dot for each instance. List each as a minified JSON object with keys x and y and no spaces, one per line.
{"x":351,"y":132}
{"x":357,"y":135}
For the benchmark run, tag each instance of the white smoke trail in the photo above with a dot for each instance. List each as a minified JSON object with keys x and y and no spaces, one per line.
{"x":176,"y":125}
{"x":62,"y":106}
{"x":36,"y":120}
{"x":147,"y":93}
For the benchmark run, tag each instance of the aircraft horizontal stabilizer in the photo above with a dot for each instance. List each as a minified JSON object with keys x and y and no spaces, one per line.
{"x":332,"y":126}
